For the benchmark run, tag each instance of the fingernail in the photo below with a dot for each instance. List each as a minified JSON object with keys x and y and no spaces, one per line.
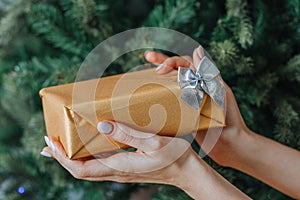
{"x":50,"y":144}
{"x":105,"y":127}
{"x":159,"y":67}
{"x":200,"y":51}
{"x":46,"y":154}
{"x":47,"y":140}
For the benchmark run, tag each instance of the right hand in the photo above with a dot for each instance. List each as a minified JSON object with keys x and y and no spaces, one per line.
{"x":225,"y":145}
{"x":240,"y":148}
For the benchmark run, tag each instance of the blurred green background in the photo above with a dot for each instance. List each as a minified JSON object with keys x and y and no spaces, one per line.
{"x":255,"y":43}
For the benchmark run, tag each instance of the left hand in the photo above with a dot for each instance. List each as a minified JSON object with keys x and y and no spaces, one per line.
{"x":158,"y":159}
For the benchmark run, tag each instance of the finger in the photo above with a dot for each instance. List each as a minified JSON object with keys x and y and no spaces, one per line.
{"x":57,"y":151}
{"x":155,"y":57}
{"x":46,"y":152}
{"x":143,"y":162}
{"x":79,"y":169}
{"x":147,"y":142}
{"x":177,"y":61}
{"x":198,"y":54}
{"x":188,"y":58}
{"x":173,"y":63}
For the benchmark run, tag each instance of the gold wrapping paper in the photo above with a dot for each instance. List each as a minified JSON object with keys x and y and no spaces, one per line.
{"x":142,"y":100}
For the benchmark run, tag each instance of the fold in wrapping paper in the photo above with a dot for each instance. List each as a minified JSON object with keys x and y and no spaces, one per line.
{"x":142,"y":100}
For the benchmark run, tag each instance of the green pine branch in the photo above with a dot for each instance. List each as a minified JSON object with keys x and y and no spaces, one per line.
{"x":46,"y":21}
{"x":236,"y":24}
{"x":224,"y":53}
{"x":287,"y":123}
{"x":243,"y":27}
{"x":9,"y":23}
{"x":292,"y":69}
{"x":173,"y":14}
{"x":43,"y":44}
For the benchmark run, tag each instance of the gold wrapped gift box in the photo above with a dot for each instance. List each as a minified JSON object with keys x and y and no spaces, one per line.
{"x":142,"y":100}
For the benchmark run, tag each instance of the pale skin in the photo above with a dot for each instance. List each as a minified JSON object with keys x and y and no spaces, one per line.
{"x":237,"y":147}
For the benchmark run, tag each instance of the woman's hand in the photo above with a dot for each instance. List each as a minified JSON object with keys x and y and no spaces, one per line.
{"x":237,"y":146}
{"x":158,"y":159}
{"x":221,"y":138}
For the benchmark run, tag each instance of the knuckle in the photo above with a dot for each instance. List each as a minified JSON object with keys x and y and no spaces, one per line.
{"x":125,"y":138}
{"x":123,"y":134}
{"x":156,"y":143}
{"x":171,"y":59}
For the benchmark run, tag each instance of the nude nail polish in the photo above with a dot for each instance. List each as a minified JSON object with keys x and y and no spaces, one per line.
{"x":47,"y":140}
{"x":159,"y":67}
{"x":50,"y":144}
{"x":200,"y":51}
{"x":105,"y":127}
{"x":46,"y":154}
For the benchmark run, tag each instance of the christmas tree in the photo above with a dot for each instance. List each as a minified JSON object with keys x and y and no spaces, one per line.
{"x":255,"y":43}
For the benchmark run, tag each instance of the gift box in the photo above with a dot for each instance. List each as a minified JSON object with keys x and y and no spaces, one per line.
{"x":142,"y":100}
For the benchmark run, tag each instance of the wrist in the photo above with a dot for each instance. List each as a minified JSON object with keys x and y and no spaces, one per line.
{"x":192,"y":168}
{"x":232,"y":143}
{"x":200,"y":181}
{"x":238,"y":148}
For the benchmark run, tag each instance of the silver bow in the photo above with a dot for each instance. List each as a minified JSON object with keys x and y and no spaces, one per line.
{"x":205,"y":79}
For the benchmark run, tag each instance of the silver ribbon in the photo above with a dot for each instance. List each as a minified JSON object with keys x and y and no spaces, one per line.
{"x":204,"y":80}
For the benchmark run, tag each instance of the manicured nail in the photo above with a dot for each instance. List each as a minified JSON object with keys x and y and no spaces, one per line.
{"x":46,"y":154}
{"x":47,"y":140}
{"x":105,"y":127}
{"x":50,"y":144}
{"x":200,"y":51}
{"x":159,"y":67}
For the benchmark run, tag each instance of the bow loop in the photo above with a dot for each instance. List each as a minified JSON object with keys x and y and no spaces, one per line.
{"x":207,"y":69}
{"x":205,"y":79}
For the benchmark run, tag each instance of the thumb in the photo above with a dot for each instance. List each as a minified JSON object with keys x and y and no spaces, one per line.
{"x":198,"y":55}
{"x":121,"y":133}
